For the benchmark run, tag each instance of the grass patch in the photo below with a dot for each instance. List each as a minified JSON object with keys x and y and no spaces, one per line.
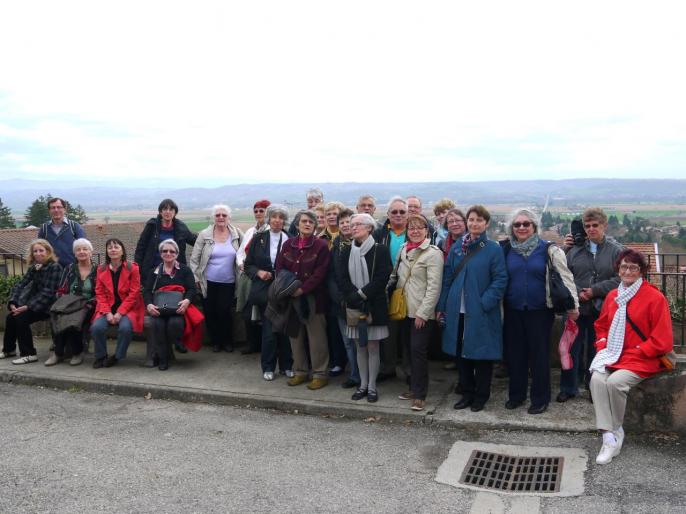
{"x":75,"y":389}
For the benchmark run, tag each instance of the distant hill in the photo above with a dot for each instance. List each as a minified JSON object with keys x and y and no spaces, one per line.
{"x":18,"y":194}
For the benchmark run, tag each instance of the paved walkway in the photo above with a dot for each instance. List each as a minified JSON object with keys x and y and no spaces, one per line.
{"x":235,"y":379}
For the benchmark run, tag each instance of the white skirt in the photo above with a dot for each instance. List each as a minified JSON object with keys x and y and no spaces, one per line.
{"x":374,"y":333}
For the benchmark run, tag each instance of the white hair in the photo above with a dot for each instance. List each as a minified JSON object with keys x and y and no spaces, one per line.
{"x":221,"y":207}
{"x":170,"y":242}
{"x":396,"y":198}
{"x":529,"y":213}
{"x":82,"y":241}
{"x":365,"y":219}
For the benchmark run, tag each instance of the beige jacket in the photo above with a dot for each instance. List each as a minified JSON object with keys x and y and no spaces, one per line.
{"x":423,"y":284}
{"x":559,"y":260}
{"x":202,"y":250}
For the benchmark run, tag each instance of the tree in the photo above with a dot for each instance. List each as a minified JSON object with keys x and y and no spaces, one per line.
{"x":613,"y":221}
{"x":626,"y":221}
{"x":6,"y":219}
{"x":38,"y":213}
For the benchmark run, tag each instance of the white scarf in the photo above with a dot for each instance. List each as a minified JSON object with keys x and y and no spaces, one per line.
{"x":615,"y":338}
{"x":357,"y":265}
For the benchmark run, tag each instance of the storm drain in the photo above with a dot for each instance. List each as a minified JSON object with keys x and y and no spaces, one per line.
{"x":509,"y":473}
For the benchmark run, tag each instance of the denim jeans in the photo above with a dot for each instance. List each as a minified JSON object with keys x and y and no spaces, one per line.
{"x":124,"y":334}
{"x":350,"y":351}
{"x":582,"y":352}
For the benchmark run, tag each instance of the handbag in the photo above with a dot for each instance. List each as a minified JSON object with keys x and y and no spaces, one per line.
{"x":397,"y":306}
{"x":167,"y":302}
{"x":68,"y":312}
{"x":566,"y":342}
{"x":353,"y":317}
{"x":560,"y":296}
{"x":668,"y":360}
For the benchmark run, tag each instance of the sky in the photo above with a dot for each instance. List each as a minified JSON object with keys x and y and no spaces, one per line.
{"x":222,"y":92}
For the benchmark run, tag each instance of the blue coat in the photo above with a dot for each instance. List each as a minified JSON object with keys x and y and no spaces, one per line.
{"x":483,"y":280}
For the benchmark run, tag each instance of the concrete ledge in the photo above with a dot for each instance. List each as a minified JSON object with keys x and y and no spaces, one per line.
{"x":658,"y":404}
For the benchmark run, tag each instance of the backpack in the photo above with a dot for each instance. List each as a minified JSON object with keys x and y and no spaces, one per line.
{"x":43,"y":232}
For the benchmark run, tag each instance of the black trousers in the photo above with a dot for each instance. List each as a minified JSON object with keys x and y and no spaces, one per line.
{"x":219,"y":307}
{"x":420,"y":339}
{"x":168,"y":330}
{"x":72,"y":338}
{"x":527,"y":349}
{"x":475,"y":375}
{"x":18,"y":329}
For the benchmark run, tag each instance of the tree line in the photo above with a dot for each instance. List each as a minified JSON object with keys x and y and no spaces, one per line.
{"x":37,"y":213}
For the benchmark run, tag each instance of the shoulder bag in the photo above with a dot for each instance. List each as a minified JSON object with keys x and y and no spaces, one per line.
{"x":668,"y":360}
{"x":560,"y":296}
{"x":397,"y":307}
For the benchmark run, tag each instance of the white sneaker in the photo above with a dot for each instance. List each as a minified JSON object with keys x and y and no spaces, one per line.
{"x":25,"y":360}
{"x":607,"y":452}
{"x":268,"y":375}
{"x":289,"y":373}
{"x":619,"y":435}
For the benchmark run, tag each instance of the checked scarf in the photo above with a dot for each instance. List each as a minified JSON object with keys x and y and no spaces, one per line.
{"x":615,"y":339}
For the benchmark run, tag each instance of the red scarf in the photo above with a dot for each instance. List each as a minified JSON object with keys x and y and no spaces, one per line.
{"x":411,"y":246}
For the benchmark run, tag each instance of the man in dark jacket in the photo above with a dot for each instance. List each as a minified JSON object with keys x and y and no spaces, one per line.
{"x":61,"y":232}
{"x":165,"y":226}
{"x":592,"y":264}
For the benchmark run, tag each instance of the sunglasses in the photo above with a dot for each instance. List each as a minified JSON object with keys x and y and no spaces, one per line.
{"x":591,"y":225}
{"x":258,"y":210}
{"x":221,"y":215}
{"x":525,"y":224}
{"x":396,"y":212}
{"x":167,"y":250}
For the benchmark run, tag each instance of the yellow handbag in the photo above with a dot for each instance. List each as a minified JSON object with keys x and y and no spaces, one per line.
{"x":397,"y":307}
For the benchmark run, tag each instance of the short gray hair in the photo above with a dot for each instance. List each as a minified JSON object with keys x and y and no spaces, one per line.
{"x":169,"y":241}
{"x":529,"y":213}
{"x":221,"y":207}
{"x":315,"y":192}
{"x":366,"y":197}
{"x":365,"y":219}
{"x":306,"y":212}
{"x":82,"y":241}
{"x":277,"y":210}
{"x":394,"y":199}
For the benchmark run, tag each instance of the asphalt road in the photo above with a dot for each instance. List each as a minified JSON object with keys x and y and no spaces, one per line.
{"x":81,"y":452}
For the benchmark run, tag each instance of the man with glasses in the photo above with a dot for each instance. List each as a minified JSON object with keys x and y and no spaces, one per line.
{"x":61,"y":232}
{"x":393,"y":234}
{"x":366,"y":204}
{"x":592,"y":265}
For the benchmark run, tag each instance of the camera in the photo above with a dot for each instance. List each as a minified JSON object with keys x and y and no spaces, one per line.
{"x":578,"y":232}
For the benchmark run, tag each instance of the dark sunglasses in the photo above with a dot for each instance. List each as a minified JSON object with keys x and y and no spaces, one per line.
{"x":220,"y":215}
{"x":258,"y":210}
{"x":396,"y":212}
{"x":525,"y":224}
{"x":591,"y":225}
{"x":167,"y":250}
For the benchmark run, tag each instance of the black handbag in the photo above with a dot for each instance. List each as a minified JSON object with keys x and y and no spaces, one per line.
{"x":167,"y":302}
{"x":258,"y":292}
{"x":560,"y":296}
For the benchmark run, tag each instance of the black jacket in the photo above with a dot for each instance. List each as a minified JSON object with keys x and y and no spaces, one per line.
{"x":337,"y":304}
{"x":37,"y":288}
{"x":259,"y":258}
{"x":183,"y":277}
{"x":379,"y":269}
{"x":150,"y":240}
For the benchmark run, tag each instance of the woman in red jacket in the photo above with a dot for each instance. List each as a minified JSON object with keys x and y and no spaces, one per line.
{"x":118,"y":303}
{"x":633,"y":331}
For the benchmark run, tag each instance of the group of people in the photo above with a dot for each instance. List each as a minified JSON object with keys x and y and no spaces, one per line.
{"x":338,"y":289}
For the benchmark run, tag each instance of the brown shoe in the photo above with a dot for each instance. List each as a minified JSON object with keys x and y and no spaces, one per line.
{"x":317,"y":383}
{"x":418,"y":404}
{"x":297,"y":380}
{"x":406,"y":396}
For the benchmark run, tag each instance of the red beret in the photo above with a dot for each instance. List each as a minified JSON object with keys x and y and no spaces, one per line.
{"x":262,"y":203}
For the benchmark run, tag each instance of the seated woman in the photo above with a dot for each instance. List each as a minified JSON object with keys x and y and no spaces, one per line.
{"x":363,"y":277}
{"x":259,"y":266}
{"x":214,"y":265}
{"x":419,"y":275}
{"x":78,"y":279}
{"x":118,"y":304}
{"x":168,"y":329}
{"x":308,"y":258}
{"x":30,"y":301}
{"x":634,"y":330}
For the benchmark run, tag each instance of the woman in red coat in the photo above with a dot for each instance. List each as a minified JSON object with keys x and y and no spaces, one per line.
{"x":118,"y":303}
{"x":634,"y":330}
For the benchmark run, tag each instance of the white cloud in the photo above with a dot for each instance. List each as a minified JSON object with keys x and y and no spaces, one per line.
{"x":302,"y":90}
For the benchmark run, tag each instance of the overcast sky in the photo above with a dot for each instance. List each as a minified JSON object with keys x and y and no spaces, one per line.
{"x":255,"y":91}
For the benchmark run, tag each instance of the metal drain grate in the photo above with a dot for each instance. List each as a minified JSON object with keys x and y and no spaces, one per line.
{"x":513,"y":473}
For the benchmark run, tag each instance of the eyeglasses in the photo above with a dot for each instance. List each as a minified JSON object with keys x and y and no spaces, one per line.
{"x":258,"y":210}
{"x":453,"y":221}
{"x":415,"y":228}
{"x":591,"y":225}
{"x":220,"y":215}
{"x":168,"y":250}
{"x":525,"y":224}
{"x":396,"y":212}
{"x":633,"y":268}
{"x":355,"y":225}
{"x":307,"y":221}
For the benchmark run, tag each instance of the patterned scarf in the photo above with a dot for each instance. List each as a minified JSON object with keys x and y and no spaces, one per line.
{"x":466,"y":241}
{"x":525,"y":248}
{"x":615,"y":338}
{"x":357,"y":265}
